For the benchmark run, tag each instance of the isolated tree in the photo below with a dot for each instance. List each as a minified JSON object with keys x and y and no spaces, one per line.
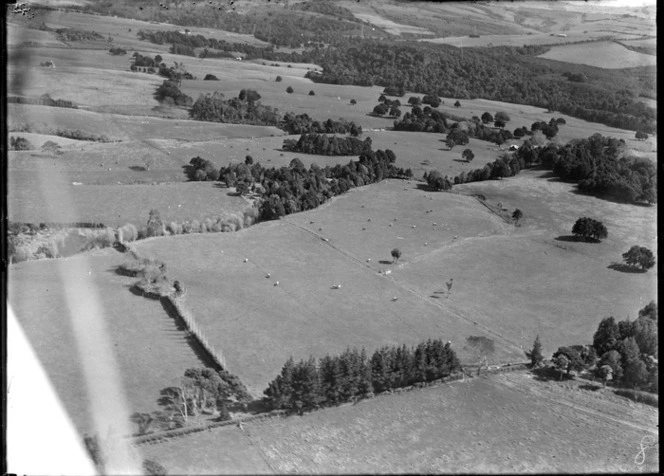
{"x":396,"y":254}
{"x":486,"y":118}
{"x":640,"y":135}
{"x":468,"y":155}
{"x":457,"y":104}
{"x":535,"y":354}
{"x":155,"y":225}
{"x":289,"y":89}
{"x":639,"y":256}
{"x":353,"y":102}
{"x":312,"y":93}
{"x":482,"y":348}
{"x":51,"y":147}
{"x":589,"y":229}
{"x":449,"y":142}
{"x":148,"y":161}
{"x":279,"y":79}
{"x":501,"y":116}
{"x":517,"y":215}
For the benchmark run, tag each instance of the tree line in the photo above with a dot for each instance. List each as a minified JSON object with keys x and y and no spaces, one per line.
{"x":43,"y":100}
{"x":245,"y":109}
{"x":302,"y":124}
{"x":333,"y":380}
{"x":321,"y":144}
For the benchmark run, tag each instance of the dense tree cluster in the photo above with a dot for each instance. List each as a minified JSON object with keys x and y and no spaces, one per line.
{"x":146,"y":61}
{"x":630,"y":349}
{"x":117,"y":51}
{"x":201,"y":170}
{"x":245,"y":109}
{"x":503,"y":74}
{"x":295,"y":188}
{"x":310,"y":384}
{"x":180,"y":49}
{"x":321,"y":144}
{"x":169,"y":93}
{"x":507,"y":165}
{"x":74,"y":34}
{"x":437,"y":182}
{"x":600,"y":167}
{"x":303,"y":124}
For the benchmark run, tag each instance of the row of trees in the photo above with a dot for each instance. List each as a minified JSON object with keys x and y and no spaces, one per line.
{"x":321,"y":144}
{"x":303,"y":124}
{"x":43,"y":100}
{"x":628,"y":350}
{"x":332,"y":380}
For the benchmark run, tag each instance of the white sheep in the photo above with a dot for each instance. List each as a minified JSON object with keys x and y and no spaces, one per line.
{"x":277,"y":283}
{"x":267,"y":275}
{"x":246,"y":260}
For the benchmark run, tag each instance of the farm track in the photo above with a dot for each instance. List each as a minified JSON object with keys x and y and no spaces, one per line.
{"x":413,"y":291}
{"x":533,"y":391}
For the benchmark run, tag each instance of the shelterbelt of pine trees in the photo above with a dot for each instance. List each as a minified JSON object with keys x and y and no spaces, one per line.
{"x":333,"y":380}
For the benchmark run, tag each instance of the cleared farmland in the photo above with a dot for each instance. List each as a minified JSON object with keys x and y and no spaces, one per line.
{"x":115,"y":205}
{"x":602,"y":54}
{"x":146,"y":366}
{"x":258,"y":325}
{"x":504,"y":424}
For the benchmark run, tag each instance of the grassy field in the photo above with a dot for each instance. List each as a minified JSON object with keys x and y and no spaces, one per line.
{"x":504,"y":424}
{"x":115,"y":205}
{"x":145,"y":365}
{"x":303,"y":315}
{"x":603,"y":54}
{"x":526,"y":269}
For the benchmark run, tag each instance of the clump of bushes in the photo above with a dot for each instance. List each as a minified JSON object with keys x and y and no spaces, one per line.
{"x":639,"y":396}
{"x":20,"y":143}
{"x":210,"y":77}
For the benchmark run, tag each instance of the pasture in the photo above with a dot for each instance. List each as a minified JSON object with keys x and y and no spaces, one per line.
{"x":145,"y":365}
{"x":115,"y":205}
{"x":504,"y":424}
{"x":257,"y":325}
{"x":602,"y":54}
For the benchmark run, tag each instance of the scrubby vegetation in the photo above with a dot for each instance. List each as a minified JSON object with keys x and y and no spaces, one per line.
{"x":43,"y":100}
{"x":20,"y":143}
{"x":73,"y":34}
{"x":310,"y":384}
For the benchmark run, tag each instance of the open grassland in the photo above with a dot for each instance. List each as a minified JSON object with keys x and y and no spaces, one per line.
{"x":603,"y":54}
{"x":258,"y":325}
{"x":150,"y":351}
{"x":505,"y":424}
{"x":115,"y":205}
